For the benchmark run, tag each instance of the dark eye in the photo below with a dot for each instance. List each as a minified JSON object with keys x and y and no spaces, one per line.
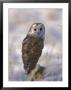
{"x":35,"y":29}
{"x":40,"y":29}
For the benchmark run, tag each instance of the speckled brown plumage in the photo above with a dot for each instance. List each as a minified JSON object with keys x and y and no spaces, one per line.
{"x":31,"y":51}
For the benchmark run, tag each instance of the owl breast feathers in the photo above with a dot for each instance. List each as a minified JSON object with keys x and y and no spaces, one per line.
{"x":31,"y":51}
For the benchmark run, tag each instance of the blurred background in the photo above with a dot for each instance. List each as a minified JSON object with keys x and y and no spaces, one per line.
{"x":19,"y":22}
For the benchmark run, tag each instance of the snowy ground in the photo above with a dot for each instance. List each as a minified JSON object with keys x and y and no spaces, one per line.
{"x":20,"y":21}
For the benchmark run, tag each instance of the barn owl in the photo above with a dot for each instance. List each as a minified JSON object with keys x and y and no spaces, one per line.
{"x":32,"y":46}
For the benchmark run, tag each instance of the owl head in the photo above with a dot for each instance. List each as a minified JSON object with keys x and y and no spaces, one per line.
{"x":37,"y":30}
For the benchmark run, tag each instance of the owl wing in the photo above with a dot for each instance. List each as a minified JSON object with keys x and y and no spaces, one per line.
{"x":31,"y":51}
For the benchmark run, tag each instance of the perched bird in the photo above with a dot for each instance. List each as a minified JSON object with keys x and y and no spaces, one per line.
{"x":32,"y":46}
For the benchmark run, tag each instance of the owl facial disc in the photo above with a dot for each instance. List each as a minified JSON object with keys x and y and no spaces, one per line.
{"x":37,"y":30}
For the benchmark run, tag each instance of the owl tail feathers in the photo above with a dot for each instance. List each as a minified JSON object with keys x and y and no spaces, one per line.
{"x":27,"y":71}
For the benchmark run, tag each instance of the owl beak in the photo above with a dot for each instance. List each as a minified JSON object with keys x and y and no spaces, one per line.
{"x":38,"y":33}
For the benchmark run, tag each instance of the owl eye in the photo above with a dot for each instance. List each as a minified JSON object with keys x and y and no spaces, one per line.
{"x":35,"y":29}
{"x":40,"y":29}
